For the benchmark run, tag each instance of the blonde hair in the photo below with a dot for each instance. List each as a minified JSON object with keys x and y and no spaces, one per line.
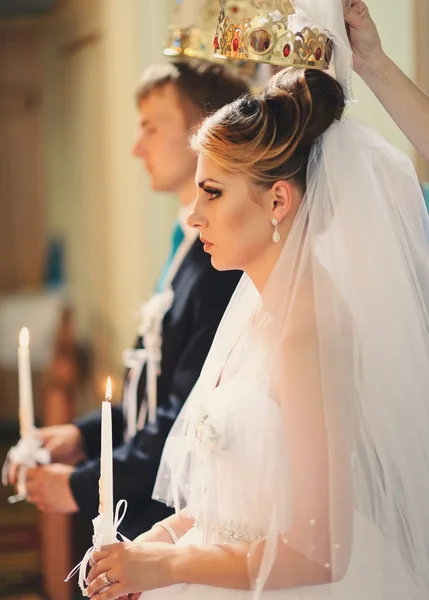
{"x":269,"y":136}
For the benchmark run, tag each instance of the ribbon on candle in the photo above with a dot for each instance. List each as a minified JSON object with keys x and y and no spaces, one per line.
{"x":150,"y":328}
{"x":28,"y":453}
{"x":134,"y":360}
{"x":97,"y":541}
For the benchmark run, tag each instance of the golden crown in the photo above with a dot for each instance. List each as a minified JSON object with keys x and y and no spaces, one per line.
{"x":194,"y":25}
{"x":271,"y":37}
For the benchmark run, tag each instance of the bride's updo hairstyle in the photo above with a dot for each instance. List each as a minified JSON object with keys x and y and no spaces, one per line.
{"x":268,"y":137}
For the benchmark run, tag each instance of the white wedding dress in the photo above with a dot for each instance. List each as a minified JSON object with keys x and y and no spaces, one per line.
{"x":222,"y":421}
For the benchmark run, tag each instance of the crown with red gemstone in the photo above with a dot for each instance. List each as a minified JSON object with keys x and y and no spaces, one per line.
{"x":269,"y":37}
{"x":191,"y":33}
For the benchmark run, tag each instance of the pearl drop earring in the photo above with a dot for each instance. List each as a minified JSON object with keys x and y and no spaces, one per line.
{"x":276,"y":234}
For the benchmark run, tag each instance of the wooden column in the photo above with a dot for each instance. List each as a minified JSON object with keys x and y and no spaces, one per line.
{"x":59,"y":396}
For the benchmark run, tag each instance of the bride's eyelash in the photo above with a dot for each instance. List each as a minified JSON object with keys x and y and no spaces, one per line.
{"x":212,"y":193}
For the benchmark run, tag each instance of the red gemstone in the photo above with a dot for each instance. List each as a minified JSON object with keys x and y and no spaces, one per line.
{"x":234,"y":9}
{"x":318,"y":53}
{"x":286,"y":51}
{"x":216,"y":43}
{"x":235,"y":44}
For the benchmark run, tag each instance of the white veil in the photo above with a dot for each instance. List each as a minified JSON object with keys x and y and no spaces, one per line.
{"x":334,"y":429}
{"x":328,"y":16}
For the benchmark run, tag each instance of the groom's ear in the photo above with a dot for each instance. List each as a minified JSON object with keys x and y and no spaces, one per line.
{"x":281,"y":199}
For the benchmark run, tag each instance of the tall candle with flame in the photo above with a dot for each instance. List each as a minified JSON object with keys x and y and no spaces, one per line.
{"x":26,"y":410}
{"x":106,"y":467}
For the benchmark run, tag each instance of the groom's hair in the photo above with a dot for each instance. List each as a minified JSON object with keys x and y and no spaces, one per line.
{"x":202,"y":87}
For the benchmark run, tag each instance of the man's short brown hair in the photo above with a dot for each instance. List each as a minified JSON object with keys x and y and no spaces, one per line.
{"x":203,"y":87}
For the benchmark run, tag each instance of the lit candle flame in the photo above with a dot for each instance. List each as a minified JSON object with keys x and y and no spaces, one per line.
{"x":24,"y":337}
{"x":108,"y":390}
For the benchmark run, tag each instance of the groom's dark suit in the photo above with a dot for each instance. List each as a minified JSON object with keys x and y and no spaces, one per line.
{"x":201,"y":295}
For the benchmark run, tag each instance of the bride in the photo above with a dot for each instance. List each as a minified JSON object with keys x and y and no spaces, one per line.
{"x":299,"y":467}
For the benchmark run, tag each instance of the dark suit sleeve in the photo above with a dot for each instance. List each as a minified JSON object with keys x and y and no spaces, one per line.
{"x":135,"y":464}
{"x":90,"y":430}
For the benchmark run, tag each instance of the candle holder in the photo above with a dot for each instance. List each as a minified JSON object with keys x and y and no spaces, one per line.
{"x":105,"y":534}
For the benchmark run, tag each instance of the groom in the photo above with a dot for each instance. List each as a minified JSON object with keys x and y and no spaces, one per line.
{"x":172,"y":100}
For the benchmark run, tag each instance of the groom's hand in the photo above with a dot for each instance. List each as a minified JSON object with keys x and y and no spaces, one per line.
{"x":48,"y":487}
{"x":64,"y":443}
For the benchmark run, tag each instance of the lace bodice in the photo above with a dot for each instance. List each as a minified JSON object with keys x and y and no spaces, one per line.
{"x":226,"y":423}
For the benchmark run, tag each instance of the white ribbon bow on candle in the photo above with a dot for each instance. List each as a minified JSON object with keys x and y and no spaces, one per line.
{"x":134,"y":360}
{"x":28,"y":453}
{"x":150,"y":328}
{"x":97,"y":540}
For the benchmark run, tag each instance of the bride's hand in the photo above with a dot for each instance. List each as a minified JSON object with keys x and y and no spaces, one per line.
{"x":131,"y":568}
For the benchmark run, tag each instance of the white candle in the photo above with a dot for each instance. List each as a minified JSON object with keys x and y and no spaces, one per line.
{"x":106,"y":468}
{"x":26,"y":411}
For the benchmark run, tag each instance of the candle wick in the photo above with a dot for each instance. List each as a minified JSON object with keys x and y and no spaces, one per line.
{"x":108,"y":395}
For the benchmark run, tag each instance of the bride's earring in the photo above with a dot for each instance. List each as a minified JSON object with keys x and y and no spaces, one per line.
{"x":276,"y":234}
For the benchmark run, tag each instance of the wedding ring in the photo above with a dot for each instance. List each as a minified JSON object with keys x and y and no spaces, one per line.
{"x":106,"y":579}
